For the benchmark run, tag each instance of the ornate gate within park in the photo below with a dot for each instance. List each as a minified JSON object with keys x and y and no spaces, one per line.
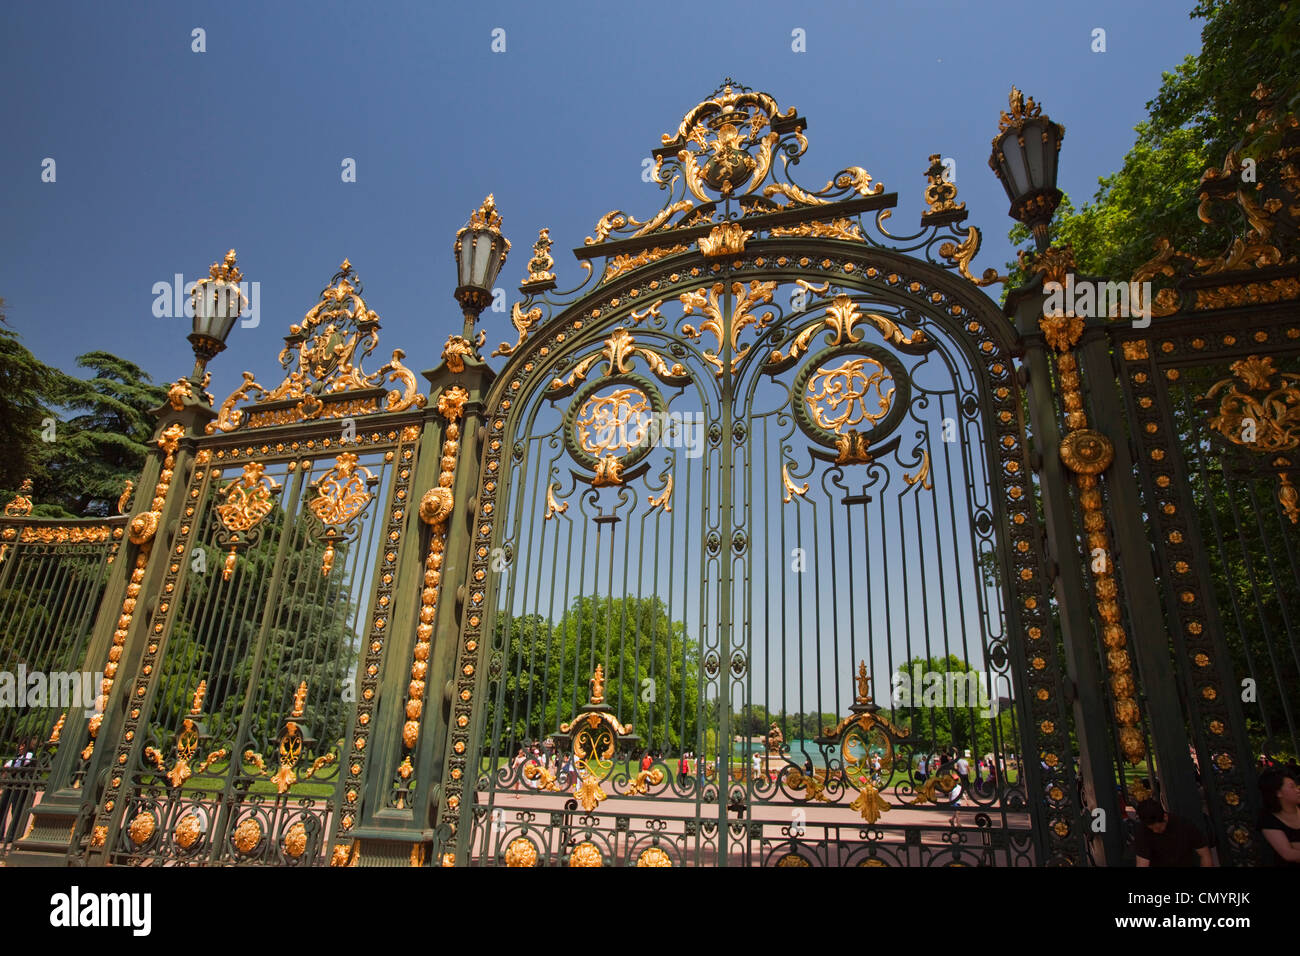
{"x":774,"y":543}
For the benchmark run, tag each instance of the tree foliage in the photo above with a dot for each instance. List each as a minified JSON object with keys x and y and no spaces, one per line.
{"x":1200,"y":112}
{"x":650,"y":665}
{"x":945,"y":702}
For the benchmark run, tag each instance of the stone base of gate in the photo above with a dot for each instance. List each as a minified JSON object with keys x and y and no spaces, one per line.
{"x":370,"y":851}
{"x":46,"y":841}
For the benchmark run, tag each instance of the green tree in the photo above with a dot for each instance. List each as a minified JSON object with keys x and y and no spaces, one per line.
{"x":650,"y":665}
{"x":942,"y":700}
{"x":26,"y":387}
{"x":105,"y":441}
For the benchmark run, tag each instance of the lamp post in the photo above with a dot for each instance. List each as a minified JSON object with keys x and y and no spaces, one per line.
{"x":217,"y":302}
{"x":480,"y":253}
{"x":1024,"y":158}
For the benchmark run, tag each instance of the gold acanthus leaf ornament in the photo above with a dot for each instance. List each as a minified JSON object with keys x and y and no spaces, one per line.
{"x":454,"y":352}
{"x":664,"y":500}
{"x":524,"y":323}
{"x":1061,"y":331}
{"x":588,"y":790}
{"x":706,"y":302}
{"x":554,"y":507}
{"x":834,"y":229}
{"x":869,"y":803}
{"x":1260,"y":406}
{"x":124,"y":502}
{"x":725,"y":239}
{"x":791,"y":489}
{"x":964,"y":252}
{"x":854,"y":179}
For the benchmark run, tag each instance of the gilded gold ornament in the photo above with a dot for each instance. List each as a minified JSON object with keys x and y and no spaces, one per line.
{"x":22,"y":502}
{"x":586,"y":854}
{"x":521,"y":852}
{"x":1087,"y":452}
{"x":295,"y":841}
{"x":142,"y":828}
{"x":725,"y":239}
{"x":187,"y":832}
{"x":247,"y":835}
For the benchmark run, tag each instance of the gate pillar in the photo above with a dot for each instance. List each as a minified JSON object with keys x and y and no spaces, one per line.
{"x":1149,"y":639}
{"x":409,"y":781}
{"x":81,"y":788}
{"x":1084,"y":680}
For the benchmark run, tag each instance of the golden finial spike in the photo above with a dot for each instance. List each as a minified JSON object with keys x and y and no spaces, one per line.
{"x":539,"y":266}
{"x":299,"y":698}
{"x":345,"y":267}
{"x":864,"y":684}
{"x":58,"y":728}
{"x":598,"y":686}
{"x":197,"y":704}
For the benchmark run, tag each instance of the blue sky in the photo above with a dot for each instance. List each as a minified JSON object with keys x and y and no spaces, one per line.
{"x":165,"y":158}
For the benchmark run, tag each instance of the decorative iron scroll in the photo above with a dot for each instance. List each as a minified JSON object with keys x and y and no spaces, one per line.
{"x":1259,"y":410}
{"x":247,"y":502}
{"x":341,"y":497}
{"x":1270,"y":208}
{"x":188,"y":740}
{"x":294,"y":740}
{"x":866,"y":742}
{"x":592,"y":737}
{"x":322,"y":358}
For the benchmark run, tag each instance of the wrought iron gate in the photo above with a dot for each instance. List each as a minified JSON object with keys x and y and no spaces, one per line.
{"x":775,"y":542}
{"x":764,"y":462}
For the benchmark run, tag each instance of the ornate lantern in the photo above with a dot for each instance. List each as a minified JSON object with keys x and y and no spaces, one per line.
{"x":1024,"y":158}
{"x":217,"y":302}
{"x":480,"y":253}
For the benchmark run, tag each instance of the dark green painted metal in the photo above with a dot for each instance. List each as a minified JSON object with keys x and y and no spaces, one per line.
{"x":1148,"y":639}
{"x":1086,"y":681}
